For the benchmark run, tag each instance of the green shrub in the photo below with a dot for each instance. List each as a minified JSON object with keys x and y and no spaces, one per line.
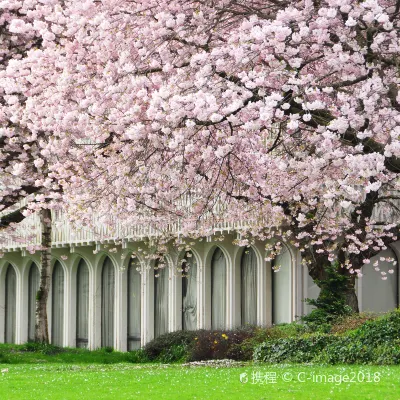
{"x":374,"y":342}
{"x":243,"y":350}
{"x":387,"y":354}
{"x":169,"y":346}
{"x":42,"y":348}
{"x":294,"y":350}
{"x":4,"y":359}
{"x":221,"y":344}
{"x":293,"y":329}
{"x":137,"y":356}
{"x":331,"y":303}
{"x":345,"y":350}
{"x":201,"y":345}
{"x":174,"y":353}
{"x":107,"y":349}
{"x":379,"y":331}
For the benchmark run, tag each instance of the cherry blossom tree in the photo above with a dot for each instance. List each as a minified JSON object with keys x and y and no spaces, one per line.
{"x":280,"y":117}
{"x":26,"y":183}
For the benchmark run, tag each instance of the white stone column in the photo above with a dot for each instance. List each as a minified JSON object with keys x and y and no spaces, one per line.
{"x":120,"y":315}
{"x":92,"y":309}
{"x":72,"y":291}
{"x":147,"y":317}
{"x":204,"y":296}
{"x":174,"y":300}
{"x":69,"y":303}
{"x":96,"y":304}
{"x":3,"y":270}
{"x":230,"y":292}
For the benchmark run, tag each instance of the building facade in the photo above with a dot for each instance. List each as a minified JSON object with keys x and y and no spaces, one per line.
{"x":102,"y":296}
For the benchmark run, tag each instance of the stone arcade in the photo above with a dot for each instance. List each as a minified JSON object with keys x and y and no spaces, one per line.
{"x":101,"y":296}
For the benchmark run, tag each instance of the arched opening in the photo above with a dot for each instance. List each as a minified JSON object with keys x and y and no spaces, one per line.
{"x":107,"y":304}
{"x":33,"y":288}
{"x":248,"y":286}
{"x":57,"y":314}
{"x":161,"y":282}
{"x":10,"y":305}
{"x":134,"y":306}
{"x":218,"y":290}
{"x":189,"y":293}
{"x":282,"y":287}
{"x":82,"y":305}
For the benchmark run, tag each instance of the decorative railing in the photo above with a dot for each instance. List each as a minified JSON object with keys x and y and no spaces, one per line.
{"x":28,"y":232}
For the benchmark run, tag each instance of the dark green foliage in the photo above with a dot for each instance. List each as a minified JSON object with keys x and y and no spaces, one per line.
{"x":243,"y":350}
{"x":170,"y":346}
{"x":175,"y":353}
{"x":293,"y":350}
{"x":46,"y":353}
{"x":374,"y":342}
{"x":108,"y":349}
{"x":3,"y":358}
{"x":331,"y":302}
{"x":42,"y":348}
{"x":137,"y":356}
{"x":237,"y":344}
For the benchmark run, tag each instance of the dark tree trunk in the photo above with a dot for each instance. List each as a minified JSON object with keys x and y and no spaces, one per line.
{"x":41,"y":328}
{"x":351,"y":296}
{"x":317,"y":269}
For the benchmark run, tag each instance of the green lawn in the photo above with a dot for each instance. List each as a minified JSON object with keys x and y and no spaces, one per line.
{"x":144,"y":381}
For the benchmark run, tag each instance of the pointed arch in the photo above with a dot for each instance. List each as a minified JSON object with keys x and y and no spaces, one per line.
{"x":282,"y":287}
{"x":248,"y":287}
{"x":218,"y":289}
{"x":189,"y":292}
{"x":161,"y":286}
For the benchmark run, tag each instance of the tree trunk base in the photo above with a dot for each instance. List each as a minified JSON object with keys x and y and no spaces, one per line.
{"x":352,"y":300}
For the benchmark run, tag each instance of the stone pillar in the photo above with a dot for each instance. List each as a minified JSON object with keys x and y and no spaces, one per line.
{"x":147,"y":306}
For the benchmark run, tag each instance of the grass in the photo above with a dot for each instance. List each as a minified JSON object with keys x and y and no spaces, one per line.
{"x":34,"y":371}
{"x":129,"y":381}
{"x":32,"y":353}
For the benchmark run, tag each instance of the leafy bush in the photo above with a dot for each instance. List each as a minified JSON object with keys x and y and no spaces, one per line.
{"x":237,"y":344}
{"x":294,"y":350}
{"x":107,"y":349}
{"x":379,"y":331}
{"x":374,"y":342}
{"x":293,"y":329}
{"x":222,"y":344}
{"x":4,"y":359}
{"x":137,"y":356}
{"x":243,"y":350}
{"x":42,"y":348}
{"x":170,"y":346}
{"x":331,"y":302}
